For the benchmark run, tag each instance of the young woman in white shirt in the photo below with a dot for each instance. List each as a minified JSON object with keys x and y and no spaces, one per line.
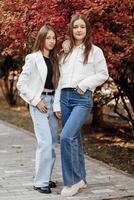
{"x":36,"y":85}
{"x":82,"y":69}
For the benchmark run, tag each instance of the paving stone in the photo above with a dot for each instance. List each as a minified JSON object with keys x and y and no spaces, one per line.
{"x":17,"y":160}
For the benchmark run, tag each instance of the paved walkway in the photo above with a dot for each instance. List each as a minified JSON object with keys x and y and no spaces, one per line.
{"x":17,"y":159}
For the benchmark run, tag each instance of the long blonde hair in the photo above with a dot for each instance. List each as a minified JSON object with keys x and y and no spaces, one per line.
{"x":39,"y":45}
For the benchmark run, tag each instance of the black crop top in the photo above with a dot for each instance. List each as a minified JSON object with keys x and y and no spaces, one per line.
{"x":48,"y":83}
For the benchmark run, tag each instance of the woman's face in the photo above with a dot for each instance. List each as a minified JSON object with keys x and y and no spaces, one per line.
{"x":50,"y":40}
{"x":79,"y":30}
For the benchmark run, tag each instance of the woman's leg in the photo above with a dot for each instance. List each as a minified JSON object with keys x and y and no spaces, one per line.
{"x":81,"y":158}
{"x":44,"y":147}
{"x":70,"y":146}
{"x":54,"y":131}
{"x":71,"y":152}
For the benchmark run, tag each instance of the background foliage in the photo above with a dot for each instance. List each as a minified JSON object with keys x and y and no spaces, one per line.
{"x":112,"y":30}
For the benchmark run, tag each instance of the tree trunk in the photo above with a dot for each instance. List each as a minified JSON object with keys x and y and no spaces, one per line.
{"x":97,"y":116}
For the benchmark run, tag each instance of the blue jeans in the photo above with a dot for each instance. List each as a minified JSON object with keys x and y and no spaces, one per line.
{"x":46,"y":129}
{"x":75,"y":109}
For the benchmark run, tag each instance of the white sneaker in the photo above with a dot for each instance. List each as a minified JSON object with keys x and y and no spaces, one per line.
{"x":72,"y":190}
{"x":82,"y":184}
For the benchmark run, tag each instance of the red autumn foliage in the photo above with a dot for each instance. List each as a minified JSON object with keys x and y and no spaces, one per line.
{"x":111,"y":21}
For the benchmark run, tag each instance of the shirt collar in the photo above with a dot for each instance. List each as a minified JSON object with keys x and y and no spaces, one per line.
{"x":81,"y":46}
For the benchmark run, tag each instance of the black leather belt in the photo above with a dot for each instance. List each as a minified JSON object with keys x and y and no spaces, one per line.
{"x":48,"y":93}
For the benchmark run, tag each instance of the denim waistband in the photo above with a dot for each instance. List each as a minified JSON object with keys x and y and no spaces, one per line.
{"x":74,"y":89}
{"x":69,"y":89}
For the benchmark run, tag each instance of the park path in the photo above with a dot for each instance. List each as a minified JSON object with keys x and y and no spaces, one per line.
{"x":17,"y":159}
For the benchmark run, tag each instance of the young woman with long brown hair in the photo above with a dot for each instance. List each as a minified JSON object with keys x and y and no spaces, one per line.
{"x":37,"y":84}
{"x":82,"y":69}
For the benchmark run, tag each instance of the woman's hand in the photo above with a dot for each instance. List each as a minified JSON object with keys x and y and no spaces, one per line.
{"x":42,"y":107}
{"x":79,"y":90}
{"x":58,"y":114}
{"x":66,"y":46}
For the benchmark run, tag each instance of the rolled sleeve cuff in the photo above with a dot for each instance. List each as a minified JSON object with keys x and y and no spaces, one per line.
{"x":35,"y":101}
{"x":56,"y":107}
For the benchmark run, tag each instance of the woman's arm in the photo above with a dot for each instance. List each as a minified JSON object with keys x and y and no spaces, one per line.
{"x":56,"y":104}
{"x":66,"y":46}
{"x":100,"y":76}
{"x":24,"y":79}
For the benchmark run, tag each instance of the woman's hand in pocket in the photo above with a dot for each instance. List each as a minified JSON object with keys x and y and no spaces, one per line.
{"x":41,"y":106}
{"x":79,"y":90}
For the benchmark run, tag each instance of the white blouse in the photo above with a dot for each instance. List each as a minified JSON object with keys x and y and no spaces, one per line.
{"x":75,"y":73}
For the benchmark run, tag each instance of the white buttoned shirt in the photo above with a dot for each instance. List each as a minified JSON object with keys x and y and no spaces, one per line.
{"x":73,"y":72}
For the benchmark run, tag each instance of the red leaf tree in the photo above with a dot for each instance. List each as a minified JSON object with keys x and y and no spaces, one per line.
{"x":112,"y":27}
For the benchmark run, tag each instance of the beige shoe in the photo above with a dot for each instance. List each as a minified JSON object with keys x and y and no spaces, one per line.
{"x":72,"y":190}
{"x":82,"y":184}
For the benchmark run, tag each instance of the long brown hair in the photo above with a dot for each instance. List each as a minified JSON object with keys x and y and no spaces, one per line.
{"x":39,"y":45}
{"x":87,"y":39}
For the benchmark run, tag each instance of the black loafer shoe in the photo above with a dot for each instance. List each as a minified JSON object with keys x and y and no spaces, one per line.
{"x":36,"y":188}
{"x":52,"y":184}
{"x":45,"y":189}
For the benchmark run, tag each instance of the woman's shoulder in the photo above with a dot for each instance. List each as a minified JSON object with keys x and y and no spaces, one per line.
{"x":97,"y":52}
{"x":95,"y":48}
{"x":33,"y":54}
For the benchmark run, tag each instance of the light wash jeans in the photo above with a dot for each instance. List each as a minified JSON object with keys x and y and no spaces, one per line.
{"x":46,"y":129}
{"x":75,"y":109}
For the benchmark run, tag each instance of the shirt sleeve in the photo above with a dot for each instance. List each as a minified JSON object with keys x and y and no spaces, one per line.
{"x":56,"y":104}
{"x":101,"y":73}
{"x":24,"y":79}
